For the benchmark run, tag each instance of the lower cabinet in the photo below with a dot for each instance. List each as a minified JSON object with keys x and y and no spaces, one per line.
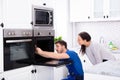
{"x":18,"y":74}
{"x":35,"y":73}
{"x":60,"y":72}
{"x":44,"y":73}
{"x":1,"y":76}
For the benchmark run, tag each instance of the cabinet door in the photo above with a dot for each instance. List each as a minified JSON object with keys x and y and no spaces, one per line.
{"x":44,"y":73}
{"x":1,"y":76}
{"x":98,"y":9}
{"x":81,"y":10}
{"x":1,"y":11}
{"x":60,"y":73}
{"x":17,"y":13}
{"x":43,"y":3}
{"x":1,"y":50}
{"x":18,"y":74}
{"x":114,"y":9}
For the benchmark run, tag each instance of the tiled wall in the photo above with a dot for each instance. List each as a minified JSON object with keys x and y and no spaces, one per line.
{"x":106,"y":31}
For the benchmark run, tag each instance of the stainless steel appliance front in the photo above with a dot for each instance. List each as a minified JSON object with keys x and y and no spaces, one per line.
{"x":42,"y":17}
{"x":18,"y":48}
{"x":45,"y":40}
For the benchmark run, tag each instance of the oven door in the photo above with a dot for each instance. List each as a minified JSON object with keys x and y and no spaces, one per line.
{"x":43,"y":17}
{"x":46,"y":43}
{"x":17,"y":52}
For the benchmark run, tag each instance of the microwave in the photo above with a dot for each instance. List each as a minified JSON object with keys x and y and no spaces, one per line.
{"x":42,"y":17}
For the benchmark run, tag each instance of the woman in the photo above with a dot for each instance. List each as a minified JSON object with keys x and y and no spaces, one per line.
{"x":95,"y":52}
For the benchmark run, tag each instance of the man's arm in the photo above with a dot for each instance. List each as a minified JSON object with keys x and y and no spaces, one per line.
{"x":51,"y":54}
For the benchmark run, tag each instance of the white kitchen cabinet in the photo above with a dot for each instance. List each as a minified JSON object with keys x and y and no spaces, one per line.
{"x":17,"y":13}
{"x":94,"y":10}
{"x":114,"y":9}
{"x":43,"y":3}
{"x":105,"y":10}
{"x":44,"y":73}
{"x":1,"y":49}
{"x":60,"y":72}
{"x":98,"y":9}
{"x":81,"y":10}
{"x":18,"y":74}
{"x":1,"y":76}
{"x":1,"y":12}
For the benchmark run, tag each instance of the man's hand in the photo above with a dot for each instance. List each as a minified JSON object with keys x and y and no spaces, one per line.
{"x":38,"y":50}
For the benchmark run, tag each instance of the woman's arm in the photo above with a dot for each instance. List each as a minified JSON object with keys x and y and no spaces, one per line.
{"x":51,"y":54}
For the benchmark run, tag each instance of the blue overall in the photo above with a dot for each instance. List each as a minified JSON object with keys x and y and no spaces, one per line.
{"x":75,"y":69}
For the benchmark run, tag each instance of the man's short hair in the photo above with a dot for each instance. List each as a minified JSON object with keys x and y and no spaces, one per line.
{"x":62,"y":42}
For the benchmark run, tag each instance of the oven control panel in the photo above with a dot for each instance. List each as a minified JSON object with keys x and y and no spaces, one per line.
{"x":38,"y":32}
{"x":17,"y":33}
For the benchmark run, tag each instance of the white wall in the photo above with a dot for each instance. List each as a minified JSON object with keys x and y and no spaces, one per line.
{"x":110,"y":31}
{"x":61,"y":21}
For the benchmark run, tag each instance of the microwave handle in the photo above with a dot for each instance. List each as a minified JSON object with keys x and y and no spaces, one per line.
{"x":22,"y":40}
{"x":49,"y":18}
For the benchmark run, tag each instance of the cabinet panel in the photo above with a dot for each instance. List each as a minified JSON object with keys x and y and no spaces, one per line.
{"x":114,"y":8}
{"x":98,"y":9}
{"x":43,"y":3}
{"x":1,"y":50}
{"x":81,"y":10}
{"x":44,"y":73}
{"x":18,"y":74}
{"x":0,"y":11}
{"x":17,"y":13}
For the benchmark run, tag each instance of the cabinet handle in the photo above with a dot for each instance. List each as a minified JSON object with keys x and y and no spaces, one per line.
{"x":32,"y":71}
{"x":2,"y":25}
{"x":44,"y":4}
{"x":107,"y":16}
{"x":31,"y":23}
{"x":84,"y":61}
{"x":103,"y":16}
{"x":3,"y":79}
{"x":35,"y":71}
{"x":88,"y":17}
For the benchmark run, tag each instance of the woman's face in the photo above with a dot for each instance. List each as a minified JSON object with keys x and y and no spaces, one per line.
{"x":81,"y":41}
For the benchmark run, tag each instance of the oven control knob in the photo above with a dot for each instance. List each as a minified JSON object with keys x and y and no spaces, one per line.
{"x":27,"y":33}
{"x":23,"y":33}
{"x":9,"y":33}
{"x":50,"y":33}
{"x":12,"y":33}
{"x":39,"y":33}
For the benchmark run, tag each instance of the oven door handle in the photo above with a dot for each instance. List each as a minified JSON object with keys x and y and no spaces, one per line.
{"x":22,"y":40}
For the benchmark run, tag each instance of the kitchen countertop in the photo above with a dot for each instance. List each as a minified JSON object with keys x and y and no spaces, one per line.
{"x":111,"y":68}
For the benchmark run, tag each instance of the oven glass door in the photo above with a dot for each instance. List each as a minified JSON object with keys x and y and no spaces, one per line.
{"x":17,"y":53}
{"x":45,"y":43}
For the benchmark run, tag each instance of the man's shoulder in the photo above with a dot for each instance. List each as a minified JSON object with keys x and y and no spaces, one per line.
{"x":71,"y":52}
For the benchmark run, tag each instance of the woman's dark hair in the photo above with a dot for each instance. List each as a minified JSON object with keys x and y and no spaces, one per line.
{"x":84,"y":36}
{"x":61,"y":42}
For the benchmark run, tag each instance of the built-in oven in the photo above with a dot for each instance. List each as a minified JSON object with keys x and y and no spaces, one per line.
{"x":18,"y":48}
{"x":45,"y":40}
{"x":42,"y":17}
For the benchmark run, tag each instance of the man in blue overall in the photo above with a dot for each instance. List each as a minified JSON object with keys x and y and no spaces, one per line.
{"x":75,"y":68}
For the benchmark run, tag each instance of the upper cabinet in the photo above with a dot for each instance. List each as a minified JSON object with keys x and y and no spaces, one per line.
{"x":17,"y":13}
{"x":0,"y":12}
{"x":114,"y":9}
{"x":94,"y":10}
{"x":81,"y":10}
{"x":43,"y":3}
